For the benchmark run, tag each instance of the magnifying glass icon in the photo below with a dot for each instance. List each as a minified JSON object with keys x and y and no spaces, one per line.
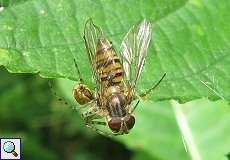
{"x":9,"y":147}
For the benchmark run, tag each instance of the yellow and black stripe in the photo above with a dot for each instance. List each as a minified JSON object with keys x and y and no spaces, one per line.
{"x":108,"y":66}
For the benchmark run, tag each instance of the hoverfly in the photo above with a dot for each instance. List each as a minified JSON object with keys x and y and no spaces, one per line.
{"x":116,"y":77}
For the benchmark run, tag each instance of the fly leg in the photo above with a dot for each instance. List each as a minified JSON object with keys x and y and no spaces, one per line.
{"x":133,"y":108}
{"x":90,"y":114}
{"x":93,"y":126}
{"x":131,"y":95}
{"x":142,"y":95}
{"x":58,"y":97}
{"x":92,"y":121}
{"x":91,"y":118}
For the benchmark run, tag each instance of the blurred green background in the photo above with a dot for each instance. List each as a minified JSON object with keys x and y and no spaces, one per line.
{"x":51,"y":130}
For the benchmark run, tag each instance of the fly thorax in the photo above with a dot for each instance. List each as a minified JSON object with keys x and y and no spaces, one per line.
{"x":116,"y":104}
{"x":112,"y":90}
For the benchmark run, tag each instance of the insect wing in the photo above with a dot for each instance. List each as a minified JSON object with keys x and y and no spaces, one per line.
{"x":92,"y":34}
{"x":134,"y":50}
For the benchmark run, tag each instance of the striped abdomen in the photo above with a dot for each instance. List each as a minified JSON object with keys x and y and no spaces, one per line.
{"x":108,"y":64}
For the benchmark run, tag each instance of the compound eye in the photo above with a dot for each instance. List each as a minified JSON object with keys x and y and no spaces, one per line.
{"x":130,"y":121}
{"x":115,"y":124}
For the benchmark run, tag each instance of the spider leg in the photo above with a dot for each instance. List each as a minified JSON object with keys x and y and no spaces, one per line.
{"x":142,"y":95}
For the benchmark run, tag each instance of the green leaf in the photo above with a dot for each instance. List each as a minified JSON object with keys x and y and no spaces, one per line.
{"x":204,"y":127}
{"x":168,"y":130}
{"x":156,"y":131}
{"x":139,"y":155}
{"x":7,"y":3}
{"x":190,"y":41}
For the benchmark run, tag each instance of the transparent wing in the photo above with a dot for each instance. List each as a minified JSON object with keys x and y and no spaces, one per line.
{"x":92,"y":34}
{"x":134,"y":50}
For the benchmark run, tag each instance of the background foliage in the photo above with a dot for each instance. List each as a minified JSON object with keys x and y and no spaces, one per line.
{"x":190,"y":43}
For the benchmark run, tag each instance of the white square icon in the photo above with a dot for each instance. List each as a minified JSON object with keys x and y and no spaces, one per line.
{"x":10,"y":148}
